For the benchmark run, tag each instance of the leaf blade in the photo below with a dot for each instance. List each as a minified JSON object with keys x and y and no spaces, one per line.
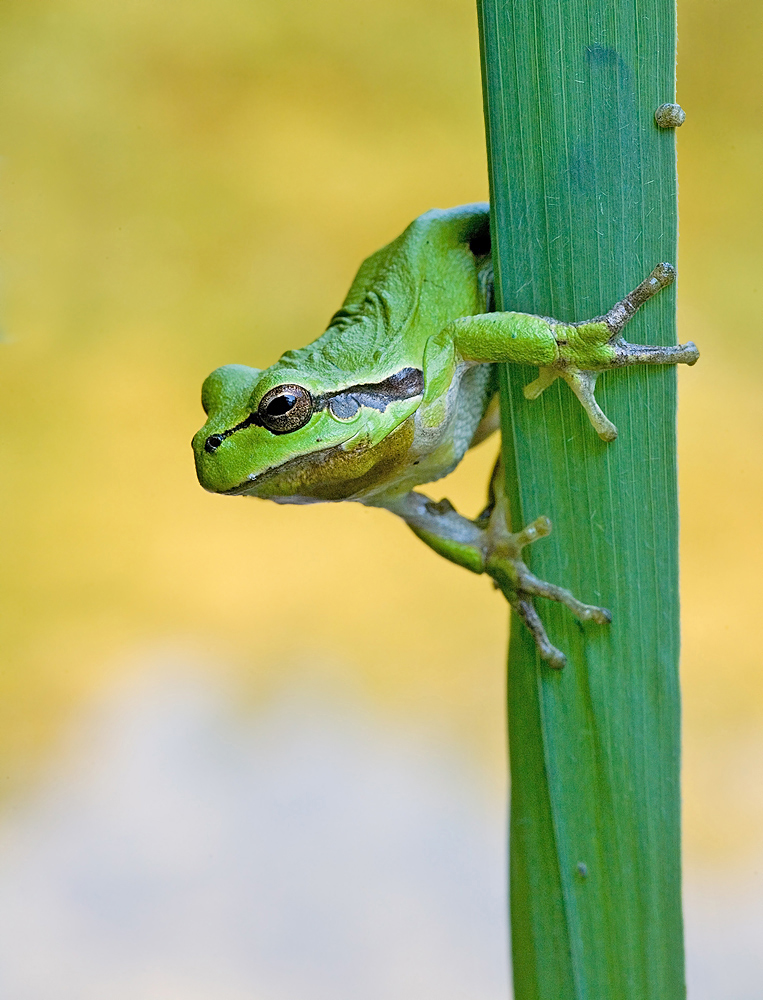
{"x":584,"y":205}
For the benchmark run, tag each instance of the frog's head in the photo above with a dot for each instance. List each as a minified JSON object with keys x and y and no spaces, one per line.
{"x":273,"y":434}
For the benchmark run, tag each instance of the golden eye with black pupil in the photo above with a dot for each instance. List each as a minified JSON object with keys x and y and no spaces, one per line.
{"x":285,"y":408}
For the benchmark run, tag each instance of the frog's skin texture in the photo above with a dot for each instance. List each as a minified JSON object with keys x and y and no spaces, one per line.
{"x":401,"y":384}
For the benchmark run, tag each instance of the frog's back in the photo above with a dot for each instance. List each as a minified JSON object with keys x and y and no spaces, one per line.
{"x":401,"y":296}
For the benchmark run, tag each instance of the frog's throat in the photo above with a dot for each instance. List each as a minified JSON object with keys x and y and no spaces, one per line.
{"x":336,"y":473}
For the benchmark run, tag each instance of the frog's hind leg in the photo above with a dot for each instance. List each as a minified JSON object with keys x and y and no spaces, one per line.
{"x":518,"y":583}
{"x":486,"y":545}
{"x":511,"y":574}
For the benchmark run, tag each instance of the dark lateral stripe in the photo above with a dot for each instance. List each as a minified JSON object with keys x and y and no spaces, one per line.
{"x":405,"y":384}
{"x":214,"y":441}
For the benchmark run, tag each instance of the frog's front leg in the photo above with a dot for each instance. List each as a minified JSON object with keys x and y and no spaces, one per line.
{"x":593,"y":346}
{"x":575,"y":352}
{"x":485,"y":545}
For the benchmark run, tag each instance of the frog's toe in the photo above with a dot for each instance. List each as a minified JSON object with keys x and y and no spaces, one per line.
{"x":554,"y":657}
{"x":652,"y":354}
{"x":662,"y":276}
{"x":583,"y":384}
{"x":547,"y":374}
{"x":530,"y":584}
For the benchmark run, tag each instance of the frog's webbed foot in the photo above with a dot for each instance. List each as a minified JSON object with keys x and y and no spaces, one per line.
{"x":485,"y":545}
{"x":593,"y":346}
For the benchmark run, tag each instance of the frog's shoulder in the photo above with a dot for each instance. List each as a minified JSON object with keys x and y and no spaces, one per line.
{"x":403,"y":294}
{"x":421,"y":250}
{"x":451,"y":227}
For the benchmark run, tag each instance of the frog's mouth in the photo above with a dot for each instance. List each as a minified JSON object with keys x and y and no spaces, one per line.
{"x":242,"y":489}
{"x":335,"y":473}
{"x":300,"y":466}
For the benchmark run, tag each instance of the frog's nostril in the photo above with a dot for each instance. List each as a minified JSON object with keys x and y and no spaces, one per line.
{"x":213,"y":442}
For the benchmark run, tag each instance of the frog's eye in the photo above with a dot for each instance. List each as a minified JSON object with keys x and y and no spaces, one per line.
{"x":285,"y":408}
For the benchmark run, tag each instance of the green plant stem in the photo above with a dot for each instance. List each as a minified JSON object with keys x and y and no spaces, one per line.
{"x":583,"y":193}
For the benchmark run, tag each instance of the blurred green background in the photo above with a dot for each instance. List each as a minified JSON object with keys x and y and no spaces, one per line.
{"x":190,"y":184}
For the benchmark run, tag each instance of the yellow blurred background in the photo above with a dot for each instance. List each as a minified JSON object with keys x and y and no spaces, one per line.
{"x":191,"y":184}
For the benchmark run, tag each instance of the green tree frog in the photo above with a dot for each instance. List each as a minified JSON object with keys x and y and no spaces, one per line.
{"x":401,"y":384}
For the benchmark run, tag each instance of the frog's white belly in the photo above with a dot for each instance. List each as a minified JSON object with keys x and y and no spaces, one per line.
{"x":435,"y":452}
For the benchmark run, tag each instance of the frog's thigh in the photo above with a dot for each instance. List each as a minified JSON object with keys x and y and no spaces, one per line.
{"x":443,"y":529}
{"x":517,"y":338}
